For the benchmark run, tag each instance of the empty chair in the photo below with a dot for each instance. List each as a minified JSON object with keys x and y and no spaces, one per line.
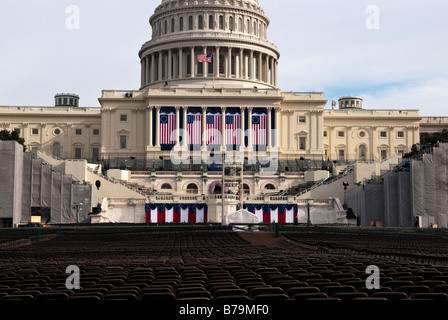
{"x":331,"y":290}
{"x":310,"y":296}
{"x":391,"y":295}
{"x":394,"y":284}
{"x":411,"y":290}
{"x":265,"y":290}
{"x":53,"y":295}
{"x":430,"y":296}
{"x":158,"y":296}
{"x":230,"y":292}
{"x":291,"y":292}
{"x":271,"y":296}
{"x":349,"y":295}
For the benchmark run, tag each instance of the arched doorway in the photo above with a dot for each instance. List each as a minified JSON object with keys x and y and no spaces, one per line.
{"x":362,"y":153}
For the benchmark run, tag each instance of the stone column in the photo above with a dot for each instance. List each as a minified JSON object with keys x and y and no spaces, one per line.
{"x":205,"y":65}
{"x":223,"y":129}
{"x":216,"y":63}
{"x":153,"y":68}
{"x":177,"y":137}
{"x":160,"y":66}
{"x":277,"y":127}
{"x":241,"y":64}
{"x":251,"y":66}
{"x":192,"y":60}
{"x":269,"y":127}
{"x":143,"y":75}
{"x":158,"y":126}
{"x":204,"y":128}
{"x":249,"y":143}
{"x":170,"y":67}
{"x":181,"y":63}
{"x":243,"y":114}
{"x":150,"y":125}
{"x":184,"y":137}
{"x":229,"y":63}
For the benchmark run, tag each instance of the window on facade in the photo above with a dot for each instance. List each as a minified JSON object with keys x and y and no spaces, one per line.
{"x":240,"y":25}
{"x":201,"y":23}
{"x":211,"y":22}
{"x":123,"y":140}
{"x":190,"y":23}
{"x":95,"y":154}
{"x":78,"y":132}
{"x":362,"y":134}
{"x":71,"y":101}
{"x":181,"y":24}
{"x":383,"y":155}
{"x":173,"y":25}
{"x":231,"y":24}
{"x":165,"y":29}
{"x":57,"y":132}
{"x":302,"y":143}
{"x":166,"y":186}
{"x":65,"y":101}
{"x":341,"y":155}
{"x":246,"y":189}
{"x":78,"y":153}
{"x":269,"y":186}
{"x":255,"y":28}
{"x":362,"y":153}
{"x":325,"y":133}
{"x":35,"y":131}
{"x":192,"y":189}
{"x":302,"y":119}
{"x":341,"y":134}
{"x":96,"y":132}
{"x":221,"y":63}
{"x":57,"y":149}
{"x":221,"y":22}
{"x":400,"y":134}
{"x":383,"y":134}
{"x":160,"y":29}
{"x":123,"y":117}
{"x":17,"y":130}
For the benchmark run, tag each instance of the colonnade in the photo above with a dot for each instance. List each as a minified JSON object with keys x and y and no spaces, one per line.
{"x":227,"y":62}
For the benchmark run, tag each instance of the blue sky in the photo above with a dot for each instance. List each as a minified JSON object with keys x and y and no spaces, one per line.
{"x":325,"y":46}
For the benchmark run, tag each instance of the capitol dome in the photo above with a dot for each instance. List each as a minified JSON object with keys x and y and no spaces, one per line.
{"x":230,"y":34}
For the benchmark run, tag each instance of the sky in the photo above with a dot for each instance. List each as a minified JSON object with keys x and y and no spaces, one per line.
{"x":394,"y":54}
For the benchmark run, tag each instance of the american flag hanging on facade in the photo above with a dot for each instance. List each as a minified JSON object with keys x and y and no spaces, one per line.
{"x":205,"y":57}
{"x":259,"y":129}
{"x":233,"y":129}
{"x":213,"y":127}
{"x":167,"y":128}
{"x":194,"y":129}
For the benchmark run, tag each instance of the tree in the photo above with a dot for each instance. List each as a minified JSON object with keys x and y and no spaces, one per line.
{"x":5,"y":135}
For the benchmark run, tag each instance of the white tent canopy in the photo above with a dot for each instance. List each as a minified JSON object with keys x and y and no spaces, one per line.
{"x":240,"y":217}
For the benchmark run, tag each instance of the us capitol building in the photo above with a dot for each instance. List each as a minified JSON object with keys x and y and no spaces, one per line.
{"x":209,"y":94}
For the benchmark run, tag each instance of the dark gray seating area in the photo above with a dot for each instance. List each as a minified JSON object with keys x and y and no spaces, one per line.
{"x":201,"y":265}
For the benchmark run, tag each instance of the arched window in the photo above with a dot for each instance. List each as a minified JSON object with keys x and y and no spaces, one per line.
{"x":231,"y":24}
{"x":255,"y":28}
{"x":269,"y":186}
{"x":240,"y":25}
{"x":217,"y":190}
{"x":246,"y":189}
{"x":57,"y":149}
{"x":362,"y":153}
{"x":211,"y":22}
{"x":201,"y":22}
{"x":165,"y":30}
{"x":248,"y":26}
{"x":221,"y":22}
{"x":173,"y":25}
{"x":181,"y":24}
{"x":166,"y":186}
{"x":192,"y":189}
{"x":190,"y":23}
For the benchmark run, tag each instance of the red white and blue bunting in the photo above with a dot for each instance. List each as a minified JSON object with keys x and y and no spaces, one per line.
{"x":176,"y":213}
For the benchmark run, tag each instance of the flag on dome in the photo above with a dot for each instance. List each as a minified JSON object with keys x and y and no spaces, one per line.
{"x":205,"y":57}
